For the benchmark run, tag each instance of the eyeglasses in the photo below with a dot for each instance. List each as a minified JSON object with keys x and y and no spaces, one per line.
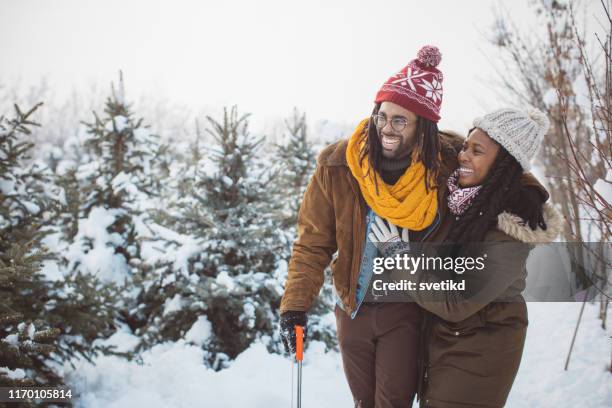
{"x":398,"y":124}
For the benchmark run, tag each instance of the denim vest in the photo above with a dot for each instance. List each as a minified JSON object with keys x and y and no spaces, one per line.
{"x":367,"y":260}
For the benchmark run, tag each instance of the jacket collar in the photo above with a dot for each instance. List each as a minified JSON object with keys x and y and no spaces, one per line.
{"x":337,"y":154}
{"x":517,"y":228}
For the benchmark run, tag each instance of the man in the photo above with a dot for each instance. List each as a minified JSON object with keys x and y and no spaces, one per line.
{"x":395,"y":165}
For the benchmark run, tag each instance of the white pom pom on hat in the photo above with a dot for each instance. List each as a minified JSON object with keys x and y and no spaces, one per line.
{"x":519,"y":132}
{"x":539,"y":117}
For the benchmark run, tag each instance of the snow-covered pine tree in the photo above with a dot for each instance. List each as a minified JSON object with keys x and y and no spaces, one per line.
{"x":299,"y":159}
{"x":166,"y":283}
{"x":24,"y":345}
{"x":230,"y":277}
{"x":242,"y":250}
{"x":118,"y":184}
{"x":189,"y":212}
{"x":42,"y":321}
{"x":297,"y":162}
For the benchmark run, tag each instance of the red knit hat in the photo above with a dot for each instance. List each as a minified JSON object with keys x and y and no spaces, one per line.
{"x":418,"y":86}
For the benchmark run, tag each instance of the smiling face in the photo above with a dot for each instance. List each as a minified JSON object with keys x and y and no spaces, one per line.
{"x":476,"y":158}
{"x":396,"y":145}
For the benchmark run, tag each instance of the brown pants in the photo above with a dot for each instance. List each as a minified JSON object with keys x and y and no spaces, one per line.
{"x":379,"y":353}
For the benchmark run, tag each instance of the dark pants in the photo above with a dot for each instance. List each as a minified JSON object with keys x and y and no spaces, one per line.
{"x":379,"y":353}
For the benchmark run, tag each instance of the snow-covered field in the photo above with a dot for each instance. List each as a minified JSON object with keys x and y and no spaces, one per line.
{"x":172,"y":374}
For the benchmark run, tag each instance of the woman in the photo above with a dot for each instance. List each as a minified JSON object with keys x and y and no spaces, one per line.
{"x":473,"y":339}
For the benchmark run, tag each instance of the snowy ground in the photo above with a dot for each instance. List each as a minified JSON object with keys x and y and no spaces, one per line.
{"x":173,"y":376}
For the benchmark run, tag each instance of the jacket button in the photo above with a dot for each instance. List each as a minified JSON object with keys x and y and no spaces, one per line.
{"x":457,"y":333}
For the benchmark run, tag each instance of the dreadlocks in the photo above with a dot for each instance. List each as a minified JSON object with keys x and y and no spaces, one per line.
{"x":427,"y":147}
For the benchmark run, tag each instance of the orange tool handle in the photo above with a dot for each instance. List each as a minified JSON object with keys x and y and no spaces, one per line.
{"x":299,"y":343}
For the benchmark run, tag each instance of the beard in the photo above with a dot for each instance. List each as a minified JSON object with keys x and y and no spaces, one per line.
{"x":394,"y":146}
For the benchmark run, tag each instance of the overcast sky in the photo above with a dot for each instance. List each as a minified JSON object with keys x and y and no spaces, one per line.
{"x":328,"y":58}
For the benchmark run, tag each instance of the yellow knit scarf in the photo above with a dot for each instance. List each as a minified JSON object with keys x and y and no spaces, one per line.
{"x":406,"y":203}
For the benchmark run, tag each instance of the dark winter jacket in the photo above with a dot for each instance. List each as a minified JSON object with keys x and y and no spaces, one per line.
{"x":471,"y":351}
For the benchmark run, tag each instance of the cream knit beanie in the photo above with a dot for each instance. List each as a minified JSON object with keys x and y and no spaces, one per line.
{"x":519,"y":132}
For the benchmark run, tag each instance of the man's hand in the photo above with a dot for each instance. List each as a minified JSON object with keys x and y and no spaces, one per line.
{"x":288,"y":321}
{"x":386,"y":237}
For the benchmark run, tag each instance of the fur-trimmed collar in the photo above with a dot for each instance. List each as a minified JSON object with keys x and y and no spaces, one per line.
{"x":517,"y":228}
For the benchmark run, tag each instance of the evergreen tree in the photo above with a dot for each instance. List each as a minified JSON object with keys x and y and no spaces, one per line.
{"x":242,"y":250}
{"x":126,"y":170}
{"x":22,"y":342}
{"x":299,"y":159}
{"x":230,"y":276}
{"x":42,"y":321}
{"x":161,"y":282}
